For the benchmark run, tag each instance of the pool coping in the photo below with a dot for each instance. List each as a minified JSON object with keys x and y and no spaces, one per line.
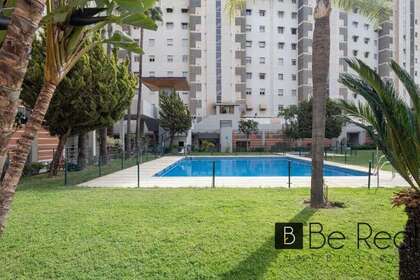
{"x":128,"y":178}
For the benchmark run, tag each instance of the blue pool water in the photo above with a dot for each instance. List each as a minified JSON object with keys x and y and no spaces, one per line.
{"x":248,"y":166}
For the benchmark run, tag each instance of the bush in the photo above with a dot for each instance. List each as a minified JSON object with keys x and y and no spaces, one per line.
{"x":33,"y":168}
{"x":207,"y":146}
{"x":364,"y":147}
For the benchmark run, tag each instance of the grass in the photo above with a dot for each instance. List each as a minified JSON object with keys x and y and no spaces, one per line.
{"x":361,"y":157}
{"x":57,"y":232}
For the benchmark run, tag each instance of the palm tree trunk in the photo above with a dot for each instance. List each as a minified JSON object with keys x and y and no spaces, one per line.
{"x":320,"y":72}
{"x":55,"y":164}
{"x":14,"y":57}
{"x":409,"y":250}
{"x":139,"y":130}
{"x":82,"y":154}
{"x":14,"y":172}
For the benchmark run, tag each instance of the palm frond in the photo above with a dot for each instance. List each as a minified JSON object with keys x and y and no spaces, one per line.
{"x":387,"y":117}
{"x":377,"y":11}
{"x":234,"y":5}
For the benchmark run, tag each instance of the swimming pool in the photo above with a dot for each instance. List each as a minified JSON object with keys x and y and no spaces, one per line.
{"x":248,"y":167}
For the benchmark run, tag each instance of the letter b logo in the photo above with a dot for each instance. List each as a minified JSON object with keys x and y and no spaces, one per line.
{"x":288,"y":236}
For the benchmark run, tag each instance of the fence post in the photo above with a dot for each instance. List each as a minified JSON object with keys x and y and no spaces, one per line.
{"x":138,"y":169}
{"x":100,"y":163}
{"x":370,"y":172}
{"x":65,"y":166}
{"x":214,"y":175}
{"x":345,"y":157}
{"x":122,"y":158}
{"x":290,"y":170}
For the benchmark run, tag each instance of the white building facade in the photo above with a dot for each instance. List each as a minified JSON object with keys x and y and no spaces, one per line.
{"x":258,"y":62}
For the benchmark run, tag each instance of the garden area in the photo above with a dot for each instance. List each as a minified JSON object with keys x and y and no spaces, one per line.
{"x":58,"y":232}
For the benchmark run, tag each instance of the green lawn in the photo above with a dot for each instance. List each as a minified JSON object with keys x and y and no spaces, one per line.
{"x":361,"y":157}
{"x":57,"y":232}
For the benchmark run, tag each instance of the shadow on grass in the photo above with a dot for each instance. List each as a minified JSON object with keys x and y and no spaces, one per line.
{"x":255,"y":265}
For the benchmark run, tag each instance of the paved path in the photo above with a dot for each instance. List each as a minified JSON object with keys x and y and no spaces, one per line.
{"x":128,"y":178}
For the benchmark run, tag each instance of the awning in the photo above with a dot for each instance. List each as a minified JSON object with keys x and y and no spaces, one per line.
{"x":157,"y":83}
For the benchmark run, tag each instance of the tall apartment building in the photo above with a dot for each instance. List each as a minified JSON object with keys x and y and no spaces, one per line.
{"x":259,"y":61}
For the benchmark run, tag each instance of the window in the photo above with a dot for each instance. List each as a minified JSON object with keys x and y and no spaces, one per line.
{"x":355,"y":52}
{"x":280,"y":45}
{"x":262,"y":91}
{"x":184,"y":25}
{"x":293,"y":31}
{"x":137,"y":58}
{"x":280,"y":108}
{"x":248,"y":28}
{"x":294,"y":92}
{"x":366,"y":26}
{"x":248,"y":60}
{"x":185,"y":58}
{"x":249,"y":75}
{"x":281,"y":76}
{"x":184,"y":11}
{"x":280,"y":14}
{"x":280,"y":92}
{"x":262,"y":60}
{"x":152,"y":74}
{"x":261,"y":44}
{"x":294,"y":15}
{"x":185,"y":42}
{"x":169,"y":10}
{"x":170,"y":73}
{"x":375,"y":56}
{"x":280,"y":29}
{"x":281,"y":61}
{"x":262,"y":76}
{"x":367,"y":40}
{"x":262,"y":28}
{"x":355,"y":24}
{"x":248,"y":91}
{"x":293,"y":77}
{"x":151,"y":58}
{"x":169,"y":42}
{"x":151,"y":42}
{"x":248,"y":12}
{"x":355,"y":38}
{"x":294,"y":46}
{"x":184,"y":74}
{"x":367,"y":54}
{"x":262,"y":13}
{"x":294,"y":62}
{"x":170,"y":25}
{"x":170,"y":58}
{"x":248,"y":44}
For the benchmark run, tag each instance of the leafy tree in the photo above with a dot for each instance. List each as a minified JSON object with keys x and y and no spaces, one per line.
{"x":175,"y":117}
{"x":247,"y":127}
{"x":394,"y":125}
{"x":95,"y":93}
{"x":69,"y":28}
{"x":299,"y":120}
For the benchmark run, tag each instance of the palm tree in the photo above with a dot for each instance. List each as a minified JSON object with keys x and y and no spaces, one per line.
{"x":14,"y":55}
{"x":156,"y":15}
{"x":394,"y":125}
{"x":69,"y":30}
{"x":377,"y":11}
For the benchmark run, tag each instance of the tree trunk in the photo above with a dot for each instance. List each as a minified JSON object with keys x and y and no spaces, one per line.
{"x":55,"y":164}
{"x":82,"y":154}
{"x":14,"y":57}
{"x":409,"y":250}
{"x":14,"y":172}
{"x":171,"y":141}
{"x":139,"y":130}
{"x":103,"y":152}
{"x":320,"y":72}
